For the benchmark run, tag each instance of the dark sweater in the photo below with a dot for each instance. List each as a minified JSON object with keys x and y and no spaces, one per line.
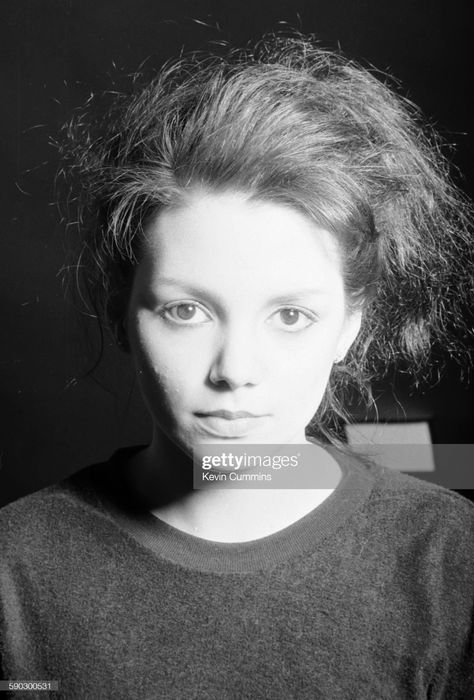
{"x":369,"y":596}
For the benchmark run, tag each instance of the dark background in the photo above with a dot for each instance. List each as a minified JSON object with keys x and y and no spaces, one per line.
{"x":54,"y":54}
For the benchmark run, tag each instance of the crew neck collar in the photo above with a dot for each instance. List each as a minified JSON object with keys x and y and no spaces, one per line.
{"x":189,"y":551}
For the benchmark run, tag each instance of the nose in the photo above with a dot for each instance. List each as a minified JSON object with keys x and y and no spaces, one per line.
{"x":237,"y":361}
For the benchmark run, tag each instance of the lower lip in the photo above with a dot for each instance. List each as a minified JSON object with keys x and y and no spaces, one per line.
{"x":224,"y":428}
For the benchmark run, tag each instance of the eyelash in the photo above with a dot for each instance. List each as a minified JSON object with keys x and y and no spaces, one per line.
{"x":182,"y":322}
{"x":310,"y":316}
{"x":165,"y":313}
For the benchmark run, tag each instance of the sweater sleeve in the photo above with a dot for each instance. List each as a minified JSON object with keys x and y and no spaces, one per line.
{"x":456,"y":681}
{"x":466,"y":690}
{"x":459,"y":682}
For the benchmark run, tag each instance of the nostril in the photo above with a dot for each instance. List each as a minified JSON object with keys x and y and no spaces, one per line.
{"x":235,"y":365}
{"x":233,"y":377}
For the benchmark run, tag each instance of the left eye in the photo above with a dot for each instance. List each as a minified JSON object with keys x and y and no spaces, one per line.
{"x":291,"y":319}
{"x":186,"y":313}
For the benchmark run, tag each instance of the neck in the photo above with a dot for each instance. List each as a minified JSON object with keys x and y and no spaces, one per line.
{"x":161,"y":476}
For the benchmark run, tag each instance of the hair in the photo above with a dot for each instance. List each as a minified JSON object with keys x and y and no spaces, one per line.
{"x":289,"y":122}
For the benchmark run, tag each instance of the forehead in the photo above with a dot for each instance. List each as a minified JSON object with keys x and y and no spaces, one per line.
{"x":228,"y":239}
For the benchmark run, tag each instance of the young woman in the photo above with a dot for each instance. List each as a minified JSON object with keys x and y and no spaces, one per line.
{"x":258,"y":230}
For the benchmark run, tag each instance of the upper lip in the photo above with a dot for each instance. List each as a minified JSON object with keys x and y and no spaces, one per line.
{"x":229,"y":415}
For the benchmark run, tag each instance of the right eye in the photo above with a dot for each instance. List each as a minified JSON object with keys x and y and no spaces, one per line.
{"x":186,"y":313}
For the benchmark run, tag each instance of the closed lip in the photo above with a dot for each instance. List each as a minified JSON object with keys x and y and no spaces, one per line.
{"x":229,"y":415}
{"x":228,"y":425}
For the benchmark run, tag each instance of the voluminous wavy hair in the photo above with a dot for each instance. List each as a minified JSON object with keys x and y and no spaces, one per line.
{"x":289,"y":122}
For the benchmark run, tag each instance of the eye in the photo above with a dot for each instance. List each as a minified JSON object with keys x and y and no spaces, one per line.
{"x":292,"y":319}
{"x":185,"y":313}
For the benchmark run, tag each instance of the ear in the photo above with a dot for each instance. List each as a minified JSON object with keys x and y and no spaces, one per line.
{"x":120,"y":335}
{"x":349,"y":333}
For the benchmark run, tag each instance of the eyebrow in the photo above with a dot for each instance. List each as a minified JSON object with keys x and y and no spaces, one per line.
{"x":280,"y":299}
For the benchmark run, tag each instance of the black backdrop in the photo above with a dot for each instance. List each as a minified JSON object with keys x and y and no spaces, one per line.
{"x":54,"y":53}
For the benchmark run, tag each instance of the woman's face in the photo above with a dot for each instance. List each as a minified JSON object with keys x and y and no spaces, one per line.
{"x":236,"y":316}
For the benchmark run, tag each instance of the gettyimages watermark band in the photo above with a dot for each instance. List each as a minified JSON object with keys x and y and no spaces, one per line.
{"x":263,"y":466}
{"x":309,"y":466}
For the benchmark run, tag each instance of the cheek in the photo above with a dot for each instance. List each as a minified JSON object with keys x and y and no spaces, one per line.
{"x":152,"y":354}
{"x":308,"y":380}
{"x":309,"y":357}
{"x":167,"y":371}
{"x":303,"y":378}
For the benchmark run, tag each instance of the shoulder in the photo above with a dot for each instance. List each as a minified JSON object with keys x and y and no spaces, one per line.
{"x":399,"y":509}
{"x":73,"y":509}
{"x":425,"y":514}
{"x":28,"y":524}
{"x":400,"y":492}
{"x":408,"y":492}
{"x":51,"y":517}
{"x":32,"y":510}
